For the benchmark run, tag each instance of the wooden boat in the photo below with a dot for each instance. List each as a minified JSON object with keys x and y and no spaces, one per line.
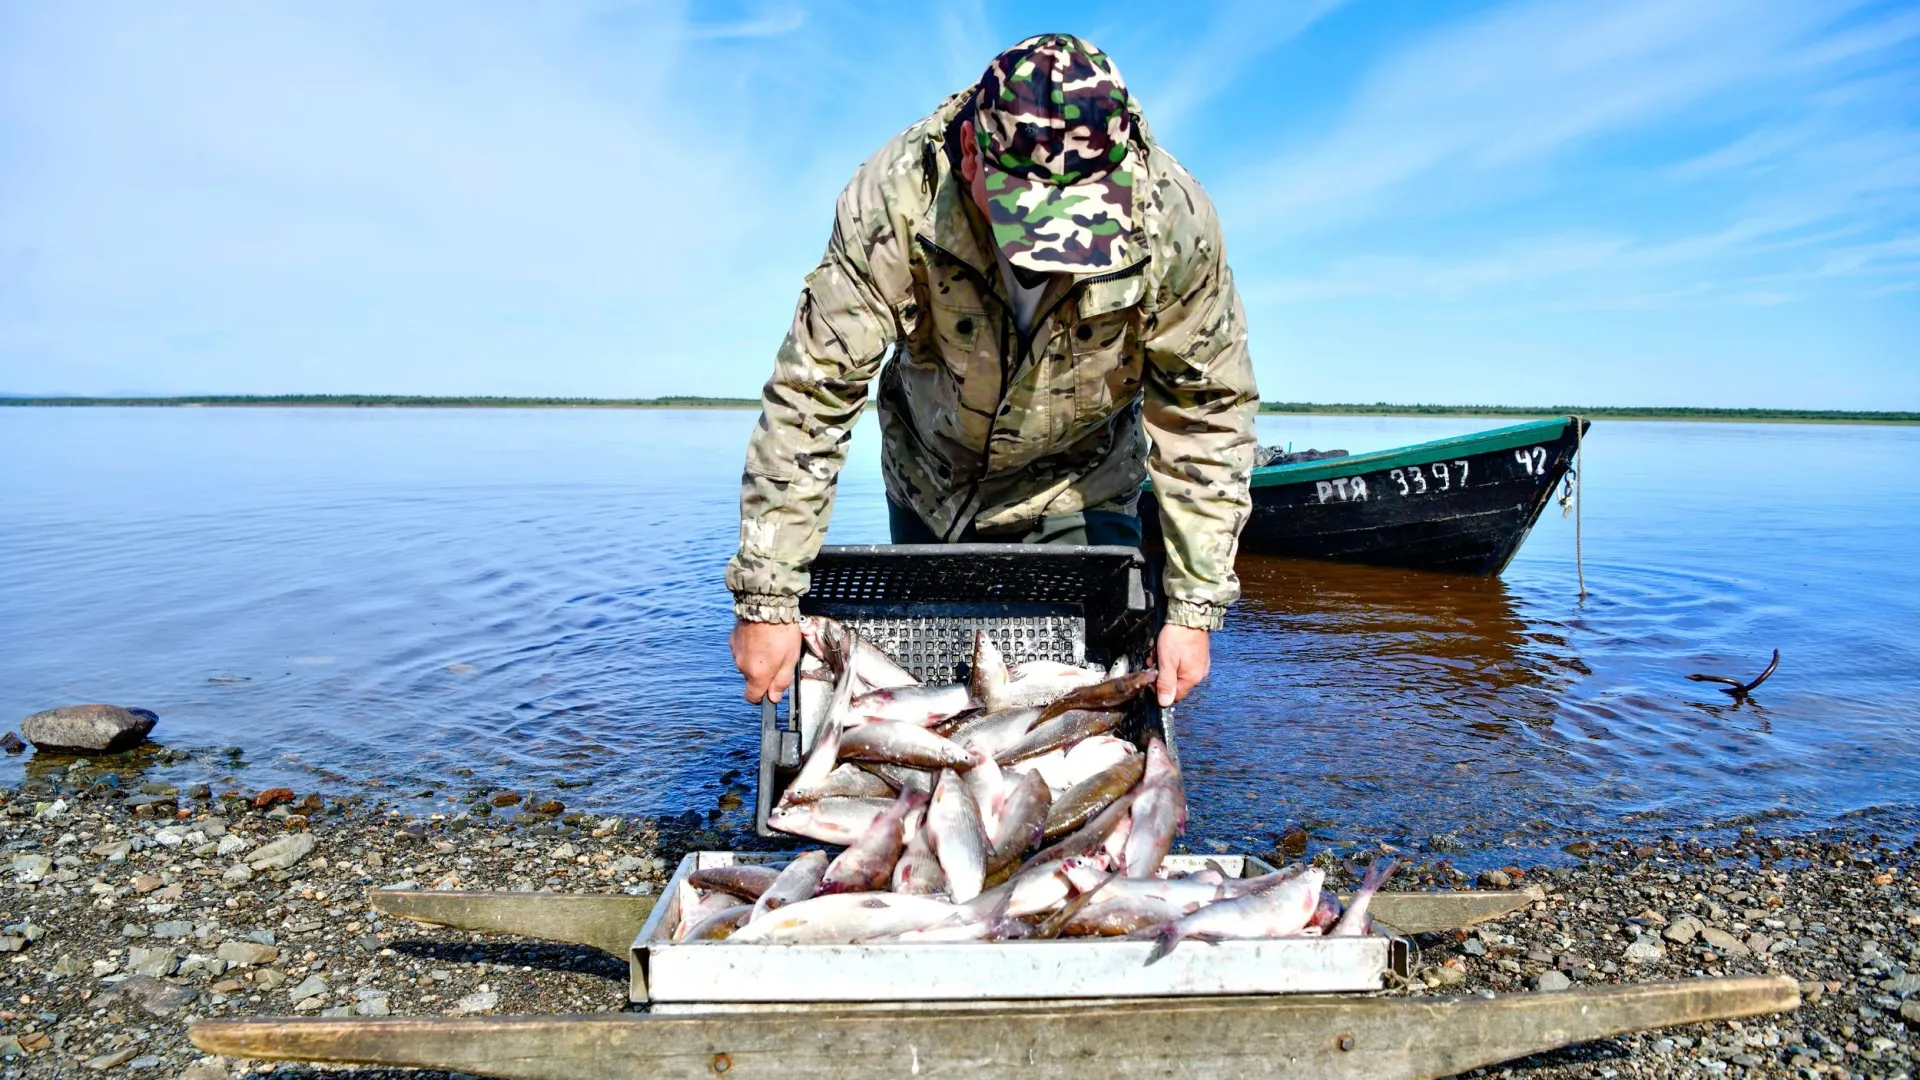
{"x":1337,"y":1037}
{"x":1461,"y":505}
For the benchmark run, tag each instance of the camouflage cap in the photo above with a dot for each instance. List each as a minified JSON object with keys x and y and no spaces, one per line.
{"x":1051,"y":118}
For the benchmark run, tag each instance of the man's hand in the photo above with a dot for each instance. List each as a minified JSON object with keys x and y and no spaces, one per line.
{"x":1183,"y":657}
{"x":765,"y":653}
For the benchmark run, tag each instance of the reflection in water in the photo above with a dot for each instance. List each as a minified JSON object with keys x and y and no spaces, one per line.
{"x":1376,"y":689}
{"x":1443,"y":648}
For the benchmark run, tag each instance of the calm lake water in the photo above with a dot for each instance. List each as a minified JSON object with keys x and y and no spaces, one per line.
{"x":387,"y":596}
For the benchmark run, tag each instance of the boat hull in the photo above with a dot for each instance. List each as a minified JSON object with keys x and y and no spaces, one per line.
{"x":1461,"y":505}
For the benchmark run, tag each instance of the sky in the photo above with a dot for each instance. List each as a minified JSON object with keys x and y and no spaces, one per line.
{"x":1522,"y":202}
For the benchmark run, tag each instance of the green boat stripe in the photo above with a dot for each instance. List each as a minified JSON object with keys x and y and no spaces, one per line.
{"x":1480,"y":442}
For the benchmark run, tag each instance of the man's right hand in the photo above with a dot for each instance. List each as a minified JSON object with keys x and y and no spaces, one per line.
{"x":765,"y":652}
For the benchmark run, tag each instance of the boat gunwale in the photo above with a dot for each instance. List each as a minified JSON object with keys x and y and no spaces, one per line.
{"x":1479,"y":442}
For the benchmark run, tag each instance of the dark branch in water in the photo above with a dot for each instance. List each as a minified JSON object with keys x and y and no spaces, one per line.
{"x":1734,"y":686}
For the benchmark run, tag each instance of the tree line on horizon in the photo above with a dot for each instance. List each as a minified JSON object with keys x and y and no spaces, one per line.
{"x":1379,"y":408}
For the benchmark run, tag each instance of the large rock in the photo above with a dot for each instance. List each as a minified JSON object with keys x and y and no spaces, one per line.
{"x":88,"y":729}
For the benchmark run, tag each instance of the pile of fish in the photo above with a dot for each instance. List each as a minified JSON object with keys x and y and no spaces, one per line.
{"x":941,"y":794}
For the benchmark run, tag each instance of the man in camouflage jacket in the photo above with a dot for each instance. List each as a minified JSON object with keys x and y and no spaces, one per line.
{"x":1053,"y":291}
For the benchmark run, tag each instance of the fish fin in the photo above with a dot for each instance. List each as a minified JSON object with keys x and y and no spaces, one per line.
{"x":1163,"y":942}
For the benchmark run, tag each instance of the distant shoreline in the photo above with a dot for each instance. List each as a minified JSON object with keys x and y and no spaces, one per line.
{"x":403,"y":401}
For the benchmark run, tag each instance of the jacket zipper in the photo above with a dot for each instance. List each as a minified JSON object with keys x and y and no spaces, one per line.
{"x":1024,"y":342}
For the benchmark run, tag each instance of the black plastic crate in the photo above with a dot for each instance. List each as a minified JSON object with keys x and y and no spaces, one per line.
{"x":922,"y":603}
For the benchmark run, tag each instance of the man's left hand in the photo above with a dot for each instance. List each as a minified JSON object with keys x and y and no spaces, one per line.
{"x":1183,"y":657}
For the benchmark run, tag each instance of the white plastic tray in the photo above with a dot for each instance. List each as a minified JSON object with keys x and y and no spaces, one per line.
{"x":705,"y":975}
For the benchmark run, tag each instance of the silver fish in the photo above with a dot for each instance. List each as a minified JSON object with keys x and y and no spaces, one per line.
{"x":918,"y":872}
{"x":1327,"y":915}
{"x":1183,"y":893}
{"x":1111,"y":694}
{"x":830,"y":821}
{"x":844,"y":918}
{"x":897,"y":743}
{"x":825,"y":755}
{"x":719,"y":925}
{"x":846,"y":781}
{"x":798,"y":881}
{"x":1094,"y":794}
{"x":988,"y":679}
{"x":1159,"y":813}
{"x":995,"y":731}
{"x":846,"y":651}
{"x":696,"y":905}
{"x":812,"y":698}
{"x":1091,"y":837}
{"x":1121,"y":916}
{"x":1121,"y":666}
{"x":1093,"y":755}
{"x":1281,"y":911}
{"x":984,"y":919}
{"x":1061,"y":731}
{"x":899,"y":777}
{"x":988,"y":787}
{"x":919,"y":705}
{"x":1022,"y":817}
{"x":745,"y":882}
{"x":1052,"y":767}
{"x":1116,"y":843}
{"x":958,"y":839}
{"x":1038,"y":683}
{"x":1050,"y":885}
{"x":867,"y":864}
{"x":1354,"y":922}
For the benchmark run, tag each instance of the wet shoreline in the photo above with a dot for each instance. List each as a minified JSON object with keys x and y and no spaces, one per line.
{"x":208,"y":899}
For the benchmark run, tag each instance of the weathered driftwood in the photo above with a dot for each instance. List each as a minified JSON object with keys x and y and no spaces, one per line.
{"x":612,"y":922}
{"x":1429,"y":912}
{"x":604,"y":922}
{"x":1323,"y":1037}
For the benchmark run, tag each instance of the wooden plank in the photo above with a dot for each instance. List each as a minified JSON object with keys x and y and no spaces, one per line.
{"x":1431,"y":912}
{"x":605,"y":922}
{"x":1332,"y":1038}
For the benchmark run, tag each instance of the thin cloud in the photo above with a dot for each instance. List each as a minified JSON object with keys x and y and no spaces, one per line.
{"x":774,"y":23}
{"x":1238,"y":34}
{"x":1489,"y":100}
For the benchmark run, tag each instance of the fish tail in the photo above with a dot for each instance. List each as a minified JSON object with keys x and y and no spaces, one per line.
{"x":1163,"y":942}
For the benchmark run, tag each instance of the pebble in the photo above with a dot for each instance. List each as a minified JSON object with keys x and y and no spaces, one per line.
{"x":28,"y":869}
{"x":1724,"y":941}
{"x":113,"y":1060}
{"x":475,"y":1003}
{"x":282,"y":853}
{"x":312,"y":986}
{"x":154,"y":995}
{"x":1683,"y":930}
{"x":246,"y":953}
{"x":156,"y":963}
{"x":207,"y":1068}
{"x":1548,"y":982}
{"x":1646,"y":949}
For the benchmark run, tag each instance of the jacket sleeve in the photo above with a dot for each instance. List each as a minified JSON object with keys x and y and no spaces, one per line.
{"x":1200,"y":403}
{"x":841,"y":330}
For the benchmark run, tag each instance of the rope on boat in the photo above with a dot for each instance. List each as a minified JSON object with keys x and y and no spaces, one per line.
{"x":1579,"y":500}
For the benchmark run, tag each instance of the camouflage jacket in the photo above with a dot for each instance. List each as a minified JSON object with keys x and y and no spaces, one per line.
{"x":983,"y":425}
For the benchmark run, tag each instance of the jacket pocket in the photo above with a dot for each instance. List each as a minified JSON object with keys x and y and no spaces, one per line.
{"x":1106,"y":364}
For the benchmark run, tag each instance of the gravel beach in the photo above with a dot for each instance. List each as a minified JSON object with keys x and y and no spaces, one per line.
{"x":128,"y":912}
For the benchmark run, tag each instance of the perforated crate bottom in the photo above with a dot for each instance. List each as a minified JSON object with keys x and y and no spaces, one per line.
{"x":936,"y":649}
